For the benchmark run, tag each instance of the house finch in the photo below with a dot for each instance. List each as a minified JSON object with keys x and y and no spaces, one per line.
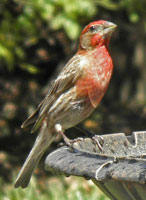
{"x":74,"y":94}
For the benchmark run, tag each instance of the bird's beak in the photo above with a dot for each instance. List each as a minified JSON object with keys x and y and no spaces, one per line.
{"x":109,"y":28}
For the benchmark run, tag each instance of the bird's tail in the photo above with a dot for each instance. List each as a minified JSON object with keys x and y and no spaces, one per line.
{"x":43,"y":140}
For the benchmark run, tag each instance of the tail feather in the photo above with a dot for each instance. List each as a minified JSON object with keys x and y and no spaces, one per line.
{"x":44,"y":139}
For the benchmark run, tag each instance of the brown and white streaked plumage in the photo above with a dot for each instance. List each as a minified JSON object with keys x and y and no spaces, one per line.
{"x":74,"y":94}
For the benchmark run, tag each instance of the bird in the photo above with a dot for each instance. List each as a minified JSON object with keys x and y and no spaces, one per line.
{"x":74,"y":94}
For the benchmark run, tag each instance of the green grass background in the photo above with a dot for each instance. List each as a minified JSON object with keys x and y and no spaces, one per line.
{"x":53,"y":188}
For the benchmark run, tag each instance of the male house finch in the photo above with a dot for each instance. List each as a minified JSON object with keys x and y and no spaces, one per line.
{"x":74,"y":94}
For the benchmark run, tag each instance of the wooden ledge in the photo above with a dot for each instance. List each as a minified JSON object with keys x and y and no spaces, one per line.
{"x":121,"y":163}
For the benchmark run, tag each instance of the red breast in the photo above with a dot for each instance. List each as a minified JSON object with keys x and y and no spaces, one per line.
{"x":96,"y":76}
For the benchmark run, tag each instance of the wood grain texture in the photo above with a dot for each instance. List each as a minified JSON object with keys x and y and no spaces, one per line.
{"x":119,"y":170}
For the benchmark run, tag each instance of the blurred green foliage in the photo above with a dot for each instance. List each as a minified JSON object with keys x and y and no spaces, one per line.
{"x":22,"y":21}
{"x":58,"y":188}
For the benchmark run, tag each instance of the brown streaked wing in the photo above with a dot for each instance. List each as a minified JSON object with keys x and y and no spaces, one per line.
{"x":66,"y":79}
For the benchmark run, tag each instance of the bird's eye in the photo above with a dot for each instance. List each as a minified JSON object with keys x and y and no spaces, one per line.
{"x":93,"y":28}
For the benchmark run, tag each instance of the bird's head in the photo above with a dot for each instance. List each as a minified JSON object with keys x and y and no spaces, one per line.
{"x":96,"y":33}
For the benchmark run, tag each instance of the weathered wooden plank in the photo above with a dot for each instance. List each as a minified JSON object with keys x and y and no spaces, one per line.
{"x":119,"y":170}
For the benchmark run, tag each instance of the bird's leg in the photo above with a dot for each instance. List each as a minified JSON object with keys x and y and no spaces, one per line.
{"x":67,"y":141}
{"x":99,"y":141}
{"x":59,"y":130}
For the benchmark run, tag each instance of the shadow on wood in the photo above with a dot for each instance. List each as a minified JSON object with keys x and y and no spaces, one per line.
{"x":119,"y":170}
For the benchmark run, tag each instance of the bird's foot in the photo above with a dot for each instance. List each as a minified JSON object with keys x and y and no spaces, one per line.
{"x":99,"y":141}
{"x":70,"y":142}
{"x":67,"y":141}
{"x":79,"y":139}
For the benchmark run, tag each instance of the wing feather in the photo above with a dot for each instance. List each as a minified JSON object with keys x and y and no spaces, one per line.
{"x":66,"y":79}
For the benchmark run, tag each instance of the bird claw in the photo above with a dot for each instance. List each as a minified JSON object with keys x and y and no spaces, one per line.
{"x":99,"y":141}
{"x":67,"y":141}
{"x":79,"y":139}
{"x":70,"y":142}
